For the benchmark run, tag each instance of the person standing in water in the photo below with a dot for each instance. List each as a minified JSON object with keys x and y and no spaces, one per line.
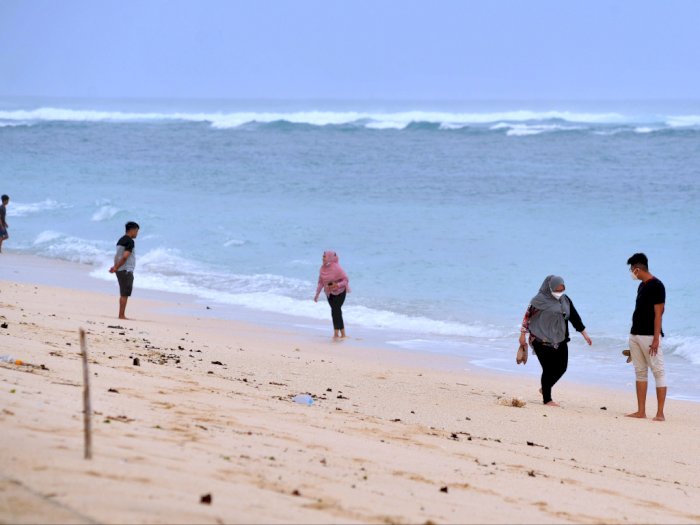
{"x":646,"y":334}
{"x":333,"y":280}
{"x":547,"y":320}
{"x":3,"y":224}
{"x":124,"y":265}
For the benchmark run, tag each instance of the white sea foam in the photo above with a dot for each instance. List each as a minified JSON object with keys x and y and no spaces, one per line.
{"x":56,"y":245}
{"x":687,"y":348}
{"x":105,"y":212}
{"x":375,"y":120}
{"x":73,"y":115}
{"x":400,"y":120}
{"x":234,"y":242}
{"x":384,"y":319}
{"x":20,"y":209}
{"x":47,"y":236}
{"x":168,"y":265}
{"x":386,"y":124}
{"x":451,"y":126}
{"x":165,"y":270}
{"x":644,"y":129}
{"x":680,"y":121}
{"x":522,"y":130}
{"x":610,"y":132}
{"x":283,"y":304}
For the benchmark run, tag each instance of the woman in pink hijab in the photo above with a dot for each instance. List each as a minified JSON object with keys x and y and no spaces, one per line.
{"x":334,"y":282}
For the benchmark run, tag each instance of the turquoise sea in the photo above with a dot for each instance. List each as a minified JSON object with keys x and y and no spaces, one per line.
{"x":447,"y":216}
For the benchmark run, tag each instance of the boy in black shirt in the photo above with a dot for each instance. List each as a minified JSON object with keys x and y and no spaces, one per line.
{"x":646,"y":334}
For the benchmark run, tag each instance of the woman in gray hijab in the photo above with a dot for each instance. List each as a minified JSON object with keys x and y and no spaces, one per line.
{"x":547,"y":320}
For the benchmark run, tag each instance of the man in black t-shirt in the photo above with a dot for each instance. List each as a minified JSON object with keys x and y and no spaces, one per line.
{"x":646,"y":334}
{"x":124,"y":265}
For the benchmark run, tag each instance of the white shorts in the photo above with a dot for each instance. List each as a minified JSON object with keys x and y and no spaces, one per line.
{"x":642,"y":361}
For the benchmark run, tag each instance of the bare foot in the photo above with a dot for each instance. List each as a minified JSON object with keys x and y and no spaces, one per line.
{"x":552,"y":404}
{"x":638,"y":415}
{"x":659,"y":418}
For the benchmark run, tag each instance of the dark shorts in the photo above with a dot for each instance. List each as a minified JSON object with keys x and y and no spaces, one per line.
{"x":126,"y":283}
{"x":3,"y":232}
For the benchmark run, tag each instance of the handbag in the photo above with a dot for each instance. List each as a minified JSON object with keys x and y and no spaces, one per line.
{"x":521,"y":356}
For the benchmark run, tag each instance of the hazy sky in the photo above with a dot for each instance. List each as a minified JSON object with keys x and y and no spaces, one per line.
{"x":383,"y":49}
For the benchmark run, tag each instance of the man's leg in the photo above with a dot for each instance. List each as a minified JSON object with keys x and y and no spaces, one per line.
{"x":122,"y":307}
{"x":639,"y":359}
{"x":641,"y":400}
{"x":657,"y":368}
{"x":661,"y":401}
{"x":126,"y":285}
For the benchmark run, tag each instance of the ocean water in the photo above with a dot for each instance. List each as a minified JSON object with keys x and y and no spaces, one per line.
{"x":447,"y":216}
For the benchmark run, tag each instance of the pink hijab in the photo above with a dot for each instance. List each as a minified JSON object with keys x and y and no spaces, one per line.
{"x":331,"y":271}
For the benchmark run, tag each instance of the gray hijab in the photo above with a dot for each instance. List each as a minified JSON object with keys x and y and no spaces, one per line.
{"x":549,"y":323}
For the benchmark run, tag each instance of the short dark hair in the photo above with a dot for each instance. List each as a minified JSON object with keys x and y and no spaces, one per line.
{"x":639,"y":260}
{"x":131,"y":225}
{"x":5,"y":198}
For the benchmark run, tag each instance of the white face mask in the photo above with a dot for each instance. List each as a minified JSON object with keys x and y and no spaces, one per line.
{"x":557,"y":295}
{"x":634,"y":276}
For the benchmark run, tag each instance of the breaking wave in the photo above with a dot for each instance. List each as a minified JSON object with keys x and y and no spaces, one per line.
{"x":23,"y":209}
{"x":444,"y":120}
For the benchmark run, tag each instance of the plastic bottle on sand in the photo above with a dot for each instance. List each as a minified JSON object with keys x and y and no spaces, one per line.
{"x":303,"y":399}
{"x":10,"y":359}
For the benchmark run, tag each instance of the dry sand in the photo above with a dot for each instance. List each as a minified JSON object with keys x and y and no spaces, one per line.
{"x":386,"y":441}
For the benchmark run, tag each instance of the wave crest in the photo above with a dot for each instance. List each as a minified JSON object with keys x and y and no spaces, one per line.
{"x":368,"y":119}
{"x":58,"y":245}
{"x":683,"y":347}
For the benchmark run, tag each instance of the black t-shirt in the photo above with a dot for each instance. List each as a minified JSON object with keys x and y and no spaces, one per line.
{"x":127,"y":243}
{"x":648,"y":294}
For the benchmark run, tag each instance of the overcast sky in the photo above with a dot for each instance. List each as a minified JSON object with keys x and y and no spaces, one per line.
{"x":366,"y":49}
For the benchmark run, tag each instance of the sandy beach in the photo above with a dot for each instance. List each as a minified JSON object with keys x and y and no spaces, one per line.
{"x":204,"y":430}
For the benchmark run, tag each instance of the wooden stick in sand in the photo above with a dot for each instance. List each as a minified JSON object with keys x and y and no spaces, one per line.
{"x":87,"y":411}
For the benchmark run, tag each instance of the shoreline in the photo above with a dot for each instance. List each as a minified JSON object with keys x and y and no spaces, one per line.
{"x":55,"y":272}
{"x":36,"y":270}
{"x":387,"y":439}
